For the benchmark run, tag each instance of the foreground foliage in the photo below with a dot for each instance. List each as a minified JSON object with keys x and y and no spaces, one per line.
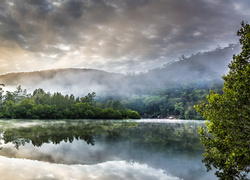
{"x":228,"y":128}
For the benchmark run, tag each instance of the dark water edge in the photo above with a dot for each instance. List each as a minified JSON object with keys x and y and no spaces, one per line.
{"x":111,"y":149}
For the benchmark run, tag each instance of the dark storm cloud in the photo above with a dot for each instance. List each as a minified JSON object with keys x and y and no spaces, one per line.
{"x":101,"y":33}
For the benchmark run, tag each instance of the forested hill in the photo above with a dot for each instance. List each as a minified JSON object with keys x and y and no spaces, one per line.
{"x":203,"y":68}
{"x":169,"y":91}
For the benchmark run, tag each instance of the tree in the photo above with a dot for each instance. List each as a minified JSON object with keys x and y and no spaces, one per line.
{"x":20,"y":94}
{"x":89,"y":98}
{"x":1,"y":94}
{"x":133,"y":114}
{"x":226,"y":138}
{"x":7,"y":110}
{"x":111,"y":114}
{"x":21,"y":109}
{"x":179,"y":108}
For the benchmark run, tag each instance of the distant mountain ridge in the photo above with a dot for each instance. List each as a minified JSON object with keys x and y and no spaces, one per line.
{"x":201,"y":67}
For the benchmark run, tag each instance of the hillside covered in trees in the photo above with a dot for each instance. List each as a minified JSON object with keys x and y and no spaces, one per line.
{"x":176,"y":101}
{"x":168,"y":91}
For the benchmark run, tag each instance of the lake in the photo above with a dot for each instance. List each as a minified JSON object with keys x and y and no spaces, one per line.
{"x":102,"y":149}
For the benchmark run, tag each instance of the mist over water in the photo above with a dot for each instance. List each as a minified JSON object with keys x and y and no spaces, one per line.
{"x":156,"y":149}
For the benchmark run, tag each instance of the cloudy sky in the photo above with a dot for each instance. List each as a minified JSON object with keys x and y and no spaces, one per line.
{"x":113,"y":35}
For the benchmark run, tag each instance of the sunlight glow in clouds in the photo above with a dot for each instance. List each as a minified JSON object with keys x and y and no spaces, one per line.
{"x":116,"y":36}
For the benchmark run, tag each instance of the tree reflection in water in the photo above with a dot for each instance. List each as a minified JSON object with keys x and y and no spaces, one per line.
{"x":169,"y":146}
{"x":65,"y":131}
{"x":169,"y":137}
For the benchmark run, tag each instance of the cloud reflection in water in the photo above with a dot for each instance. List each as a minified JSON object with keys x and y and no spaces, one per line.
{"x":157,"y":149}
{"x":12,"y":168}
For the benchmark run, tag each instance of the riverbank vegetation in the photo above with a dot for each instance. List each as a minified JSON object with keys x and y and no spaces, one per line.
{"x":44,"y":105}
{"x":175,"y":101}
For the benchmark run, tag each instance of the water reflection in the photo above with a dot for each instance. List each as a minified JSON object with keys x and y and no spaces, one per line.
{"x":160,"y":147}
{"x":111,"y":170}
{"x":168,"y":137}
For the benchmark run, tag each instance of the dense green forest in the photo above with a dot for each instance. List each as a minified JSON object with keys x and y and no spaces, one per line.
{"x":174,"y":101}
{"x":44,"y":105}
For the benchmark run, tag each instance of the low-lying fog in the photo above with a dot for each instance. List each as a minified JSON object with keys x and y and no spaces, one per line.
{"x":202,"y":67}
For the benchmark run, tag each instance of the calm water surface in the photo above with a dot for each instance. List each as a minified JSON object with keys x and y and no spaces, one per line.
{"x":102,"y":149}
